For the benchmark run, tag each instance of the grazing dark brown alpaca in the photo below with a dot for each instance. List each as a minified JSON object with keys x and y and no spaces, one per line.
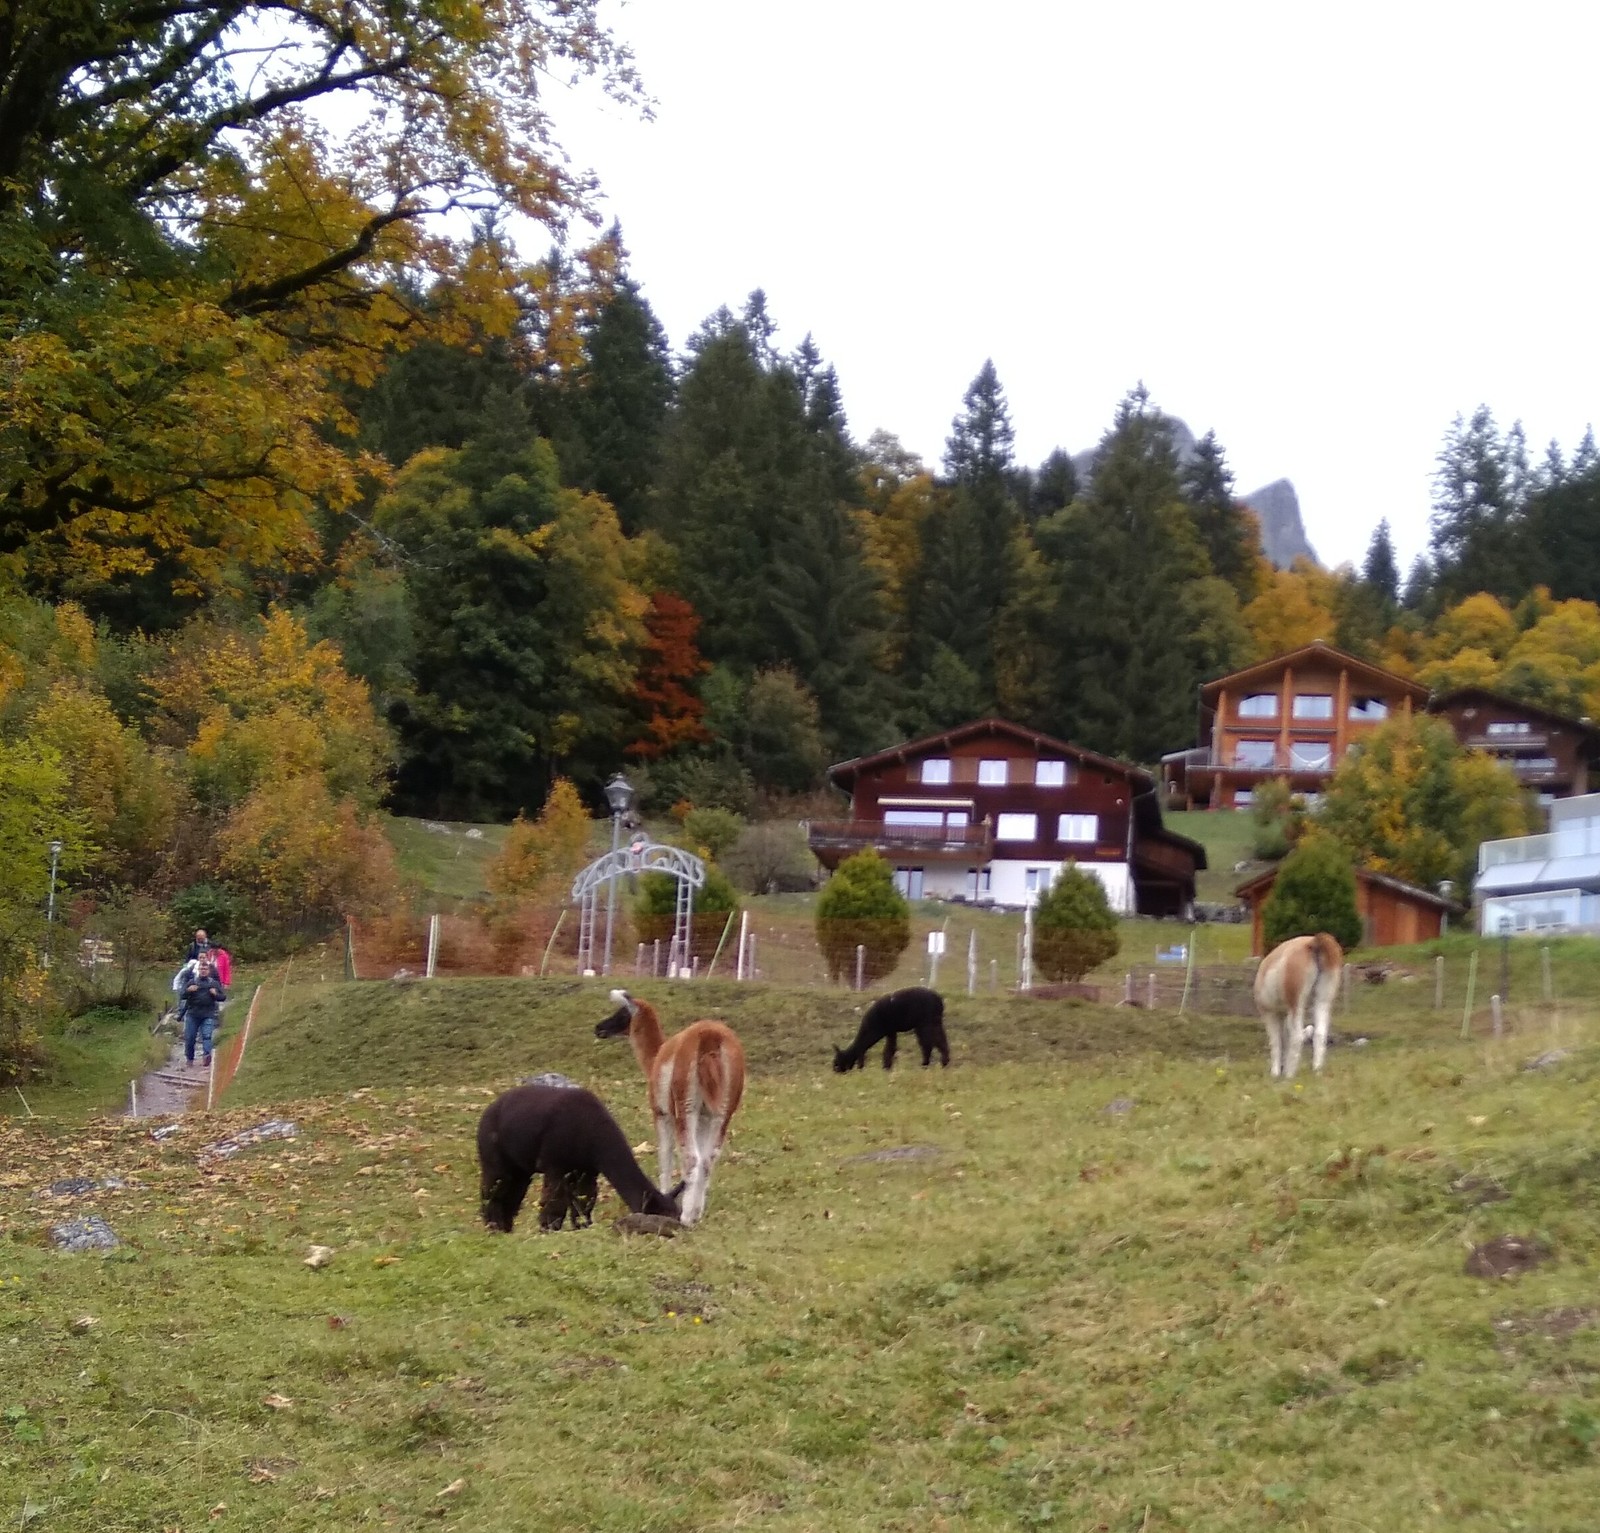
{"x":566,"y":1135}
{"x":916,"y":1010}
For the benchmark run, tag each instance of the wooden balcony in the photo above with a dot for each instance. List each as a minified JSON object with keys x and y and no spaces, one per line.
{"x":833,"y":840}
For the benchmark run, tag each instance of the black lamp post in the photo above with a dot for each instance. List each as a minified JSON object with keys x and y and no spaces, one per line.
{"x":50,"y":914}
{"x":619,"y":794}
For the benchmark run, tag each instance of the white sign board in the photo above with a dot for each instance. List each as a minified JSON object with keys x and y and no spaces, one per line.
{"x":936,"y":944}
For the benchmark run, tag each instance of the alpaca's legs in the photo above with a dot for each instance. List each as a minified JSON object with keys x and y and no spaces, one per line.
{"x":1295,"y":1027}
{"x":555,"y":1199}
{"x":1275,"y":1043}
{"x":943,"y":1046}
{"x":695,"y":1171}
{"x":925,"y":1043}
{"x":504,"y":1188}
{"x":889,"y":1045}
{"x":664,"y":1136}
{"x":707,"y":1146}
{"x":1322,"y":1005}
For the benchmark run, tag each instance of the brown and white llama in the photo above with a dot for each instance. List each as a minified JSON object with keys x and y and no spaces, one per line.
{"x":1297,"y":981}
{"x":694,"y":1082}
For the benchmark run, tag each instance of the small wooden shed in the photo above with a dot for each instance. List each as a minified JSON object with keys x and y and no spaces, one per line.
{"x":1393,"y":913}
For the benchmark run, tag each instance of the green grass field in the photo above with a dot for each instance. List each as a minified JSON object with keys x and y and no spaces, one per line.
{"x":1133,"y":1285}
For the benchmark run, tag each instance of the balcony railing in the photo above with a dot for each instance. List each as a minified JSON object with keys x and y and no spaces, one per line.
{"x":1278,"y":761}
{"x":1487,"y":742}
{"x":854,"y":835}
{"x":1533,"y":766}
{"x":1497,"y":854}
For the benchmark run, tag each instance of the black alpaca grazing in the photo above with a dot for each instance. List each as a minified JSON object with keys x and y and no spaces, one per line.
{"x":917,"y":1010}
{"x":566,"y":1135}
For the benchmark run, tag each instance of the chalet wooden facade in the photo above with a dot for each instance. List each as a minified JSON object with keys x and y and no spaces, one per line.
{"x":1293,"y":716}
{"x":1392,"y":912}
{"x":990,"y":812}
{"x":1552,"y":755}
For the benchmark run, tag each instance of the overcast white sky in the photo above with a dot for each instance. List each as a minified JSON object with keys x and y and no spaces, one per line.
{"x":1321,"y":231}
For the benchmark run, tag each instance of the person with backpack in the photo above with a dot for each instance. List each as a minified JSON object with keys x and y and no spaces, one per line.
{"x":200,"y":945}
{"x":198,"y":1002}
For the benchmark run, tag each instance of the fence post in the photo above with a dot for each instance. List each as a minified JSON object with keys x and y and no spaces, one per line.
{"x":1544,"y":965}
{"x":1151,"y":990}
{"x":1494,"y":1012}
{"x":744,"y":932}
{"x":655,"y":961}
{"x":994,"y":975}
{"x":433,"y":944}
{"x":1438,"y":983}
{"x":1188,"y":975}
{"x":720,"y":942}
{"x":972,"y":961}
{"x":1472,"y":985}
{"x":350,"y":951}
{"x":933,"y":971}
{"x":561,"y":916}
{"x":638,"y":959}
{"x":861,"y":966}
{"x":1025,"y":968}
{"x":750,"y":959}
{"x":133,"y":1097}
{"x":1127,"y":988}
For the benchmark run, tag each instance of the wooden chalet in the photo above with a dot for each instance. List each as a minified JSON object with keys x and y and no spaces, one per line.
{"x":1551,"y":754}
{"x":1293,"y":716}
{"x":990,"y":812}
{"x":1393,"y":913}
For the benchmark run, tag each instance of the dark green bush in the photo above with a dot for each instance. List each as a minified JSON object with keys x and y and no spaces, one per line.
{"x":1315,"y":891}
{"x":655,"y":906}
{"x":1074,"y":929}
{"x":860,"y":907}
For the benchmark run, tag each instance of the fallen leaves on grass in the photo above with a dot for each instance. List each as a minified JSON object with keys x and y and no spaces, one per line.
{"x":454,"y":1488}
{"x":277,"y":1402}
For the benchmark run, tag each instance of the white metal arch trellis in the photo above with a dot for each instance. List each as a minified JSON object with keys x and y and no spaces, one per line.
{"x":639,"y":856}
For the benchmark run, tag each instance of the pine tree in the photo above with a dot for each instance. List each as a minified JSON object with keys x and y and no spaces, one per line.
{"x":1378,"y":569}
{"x":616,"y":406}
{"x":1480,"y":536}
{"x":1229,"y":533}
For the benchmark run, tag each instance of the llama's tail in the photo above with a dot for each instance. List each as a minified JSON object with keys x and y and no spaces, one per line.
{"x":1326,"y":953}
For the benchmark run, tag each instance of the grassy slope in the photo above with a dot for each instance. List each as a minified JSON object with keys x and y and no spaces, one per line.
{"x":90,"y":1060}
{"x":454,"y":866}
{"x":1227,"y":836}
{"x":1233,"y":1306}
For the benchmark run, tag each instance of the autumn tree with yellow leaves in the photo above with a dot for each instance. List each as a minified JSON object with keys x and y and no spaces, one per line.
{"x":216,"y":217}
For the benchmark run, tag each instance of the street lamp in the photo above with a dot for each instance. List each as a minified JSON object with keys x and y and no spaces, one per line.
{"x":50,"y":915}
{"x":619,"y":794}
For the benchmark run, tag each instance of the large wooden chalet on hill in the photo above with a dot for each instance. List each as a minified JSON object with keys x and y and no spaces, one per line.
{"x":990,"y":812}
{"x":1293,"y":716}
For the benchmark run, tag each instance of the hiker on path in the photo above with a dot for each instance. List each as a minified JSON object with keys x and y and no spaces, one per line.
{"x":199,"y":947}
{"x":199,"y":1001}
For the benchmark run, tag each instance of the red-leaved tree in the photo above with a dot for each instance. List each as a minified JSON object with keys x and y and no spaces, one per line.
{"x":667,"y":670}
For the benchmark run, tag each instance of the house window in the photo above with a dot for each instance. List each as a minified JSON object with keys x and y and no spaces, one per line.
{"x":1243,"y":797}
{"x":1506,"y":728}
{"x":936,"y":770}
{"x":956,"y":819}
{"x":1368,"y":710}
{"x":1050,"y":774}
{"x":1313,"y":705}
{"x":909,"y":882}
{"x":977,"y":882}
{"x":1259,"y":705}
{"x":1016,"y":827}
{"x":1037,"y":880}
{"x":1255,"y":753}
{"x":933,"y":817}
{"x":991,"y":774}
{"x":1078,"y":827}
{"x":1310,"y":756}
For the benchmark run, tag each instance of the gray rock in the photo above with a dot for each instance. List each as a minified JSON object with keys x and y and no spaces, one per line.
{"x":551,"y":1078}
{"x":1119,"y":1107}
{"x":1549,"y":1059}
{"x":273,"y":1128}
{"x":1283,"y":534}
{"x":900,"y":1152}
{"x":89,"y":1233}
{"x":76,"y":1186}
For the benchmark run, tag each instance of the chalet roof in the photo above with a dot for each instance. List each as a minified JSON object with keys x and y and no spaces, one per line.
{"x":1413,"y":892}
{"x":844,"y":773}
{"x":1583,"y":727}
{"x":1314,"y":651}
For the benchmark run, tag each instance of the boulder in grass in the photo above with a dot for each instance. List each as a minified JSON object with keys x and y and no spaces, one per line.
{"x":273,"y":1128}
{"x":89,"y":1233}
{"x":552,"y":1078}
